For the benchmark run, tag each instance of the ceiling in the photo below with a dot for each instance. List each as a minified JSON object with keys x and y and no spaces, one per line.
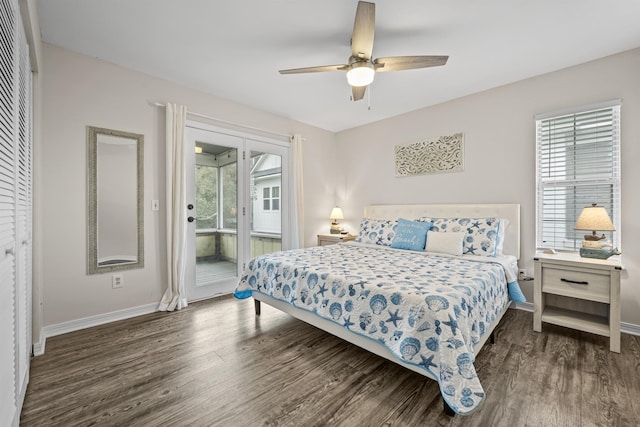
{"x":234,"y":49}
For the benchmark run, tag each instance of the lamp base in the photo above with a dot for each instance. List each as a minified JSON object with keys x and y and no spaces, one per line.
{"x":595,"y":244}
{"x":594,"y":237}
{"x":598,"y":253}
{"x":335,"y":228}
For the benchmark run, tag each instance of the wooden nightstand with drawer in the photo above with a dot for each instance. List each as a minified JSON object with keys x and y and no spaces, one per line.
{"x":332,"y":239}
{"x":587,"y":291}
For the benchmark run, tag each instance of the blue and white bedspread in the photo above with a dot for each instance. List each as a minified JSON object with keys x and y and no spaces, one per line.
{"x":428,"y":310}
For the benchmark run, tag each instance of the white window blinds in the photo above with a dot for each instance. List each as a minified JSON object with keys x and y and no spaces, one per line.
{"x":578,"y":163}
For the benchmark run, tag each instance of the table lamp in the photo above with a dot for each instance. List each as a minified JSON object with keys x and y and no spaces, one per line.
{"x":595,"y":218}
{"x":336,"y":214}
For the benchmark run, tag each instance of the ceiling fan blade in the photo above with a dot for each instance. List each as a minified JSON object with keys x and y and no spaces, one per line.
{"x":357,"y":92}
{"x":315,"y":69}
{"x":363,"y":30}
{"x":397,"y":63}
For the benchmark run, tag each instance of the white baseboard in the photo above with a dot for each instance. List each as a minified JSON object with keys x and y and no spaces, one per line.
{"x":525,"y":306}
{"x":630,"y":328}
{"x":38,"y":348}
{"x":625,"y":328}
{"x":88,"y":322}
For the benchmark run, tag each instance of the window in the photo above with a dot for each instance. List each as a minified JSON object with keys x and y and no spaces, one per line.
{"x":275,"y":198}
{"x":206,"y":197}
{"x":266,"y":199}
{"x":577,"y":164}
{"x":271,"y":198}
{"x":229,"y":197}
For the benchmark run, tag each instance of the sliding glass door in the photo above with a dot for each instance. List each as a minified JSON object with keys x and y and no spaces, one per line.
{"x":236,"y":205}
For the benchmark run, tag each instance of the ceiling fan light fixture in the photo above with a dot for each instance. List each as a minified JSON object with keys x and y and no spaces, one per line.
{"x":360,"y":74}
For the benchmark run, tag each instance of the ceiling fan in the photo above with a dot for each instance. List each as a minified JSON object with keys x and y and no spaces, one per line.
{"x":361,"y":68}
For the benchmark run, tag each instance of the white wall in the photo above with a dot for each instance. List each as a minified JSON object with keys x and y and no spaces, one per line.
{"x":499,"y":130}
{"x":79,"y":91}
{"x":499,"y":165}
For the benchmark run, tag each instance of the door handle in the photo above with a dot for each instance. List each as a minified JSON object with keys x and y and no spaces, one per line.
{"x":191,"y":219}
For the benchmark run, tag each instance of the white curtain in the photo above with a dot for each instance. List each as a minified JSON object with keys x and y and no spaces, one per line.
{"x":297,"y":202}
{"x":175,"y":297}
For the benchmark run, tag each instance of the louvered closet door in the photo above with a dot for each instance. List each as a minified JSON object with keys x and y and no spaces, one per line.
{"x":23,"y":217}
{"x":15,"y":211}
{"x":8,"y":90}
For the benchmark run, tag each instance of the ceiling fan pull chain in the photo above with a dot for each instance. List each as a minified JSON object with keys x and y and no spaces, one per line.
{"x":369,"y":99}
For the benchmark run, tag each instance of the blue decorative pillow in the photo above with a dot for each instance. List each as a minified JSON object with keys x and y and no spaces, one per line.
{"x":411,"y":235}
{"x":482,"y":234}
{"x":377,"y":231}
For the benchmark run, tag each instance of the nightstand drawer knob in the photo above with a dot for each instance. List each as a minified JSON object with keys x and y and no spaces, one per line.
{"x":575,"y":282}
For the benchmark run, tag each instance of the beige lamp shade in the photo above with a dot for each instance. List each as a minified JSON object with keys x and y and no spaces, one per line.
{"x":336,"y":213}
{"x":594,"y":218}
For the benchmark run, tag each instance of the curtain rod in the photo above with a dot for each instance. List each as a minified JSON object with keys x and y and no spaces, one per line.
{"x":204,"y":116}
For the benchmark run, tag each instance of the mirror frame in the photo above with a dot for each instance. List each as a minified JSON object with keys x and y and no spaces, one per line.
{"x":92,"y":200}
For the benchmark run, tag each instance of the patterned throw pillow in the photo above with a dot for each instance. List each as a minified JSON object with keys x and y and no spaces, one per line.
{"x":377,"y":231}
{"x":411,"y":235}
{"x":482,"y":234}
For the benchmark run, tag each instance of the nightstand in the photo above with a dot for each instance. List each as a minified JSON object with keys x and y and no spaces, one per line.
{"x":332,"y":239}
{"x":587,"y":291}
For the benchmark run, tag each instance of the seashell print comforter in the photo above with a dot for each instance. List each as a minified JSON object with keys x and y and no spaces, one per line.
{"x":428,"y":310}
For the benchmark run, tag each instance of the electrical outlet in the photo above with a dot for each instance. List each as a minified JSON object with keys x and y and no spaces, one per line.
{"x":117,"y":281}
{"x":522,"y":274}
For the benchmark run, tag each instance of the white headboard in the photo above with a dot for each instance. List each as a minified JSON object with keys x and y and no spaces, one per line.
{"x":508,"y":211}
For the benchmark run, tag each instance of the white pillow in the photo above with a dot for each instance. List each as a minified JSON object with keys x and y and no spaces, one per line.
{"x":445,"y":242}
{"x":504,"y":224}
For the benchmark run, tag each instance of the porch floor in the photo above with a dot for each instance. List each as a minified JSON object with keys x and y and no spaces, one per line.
{"x":209,"y":271}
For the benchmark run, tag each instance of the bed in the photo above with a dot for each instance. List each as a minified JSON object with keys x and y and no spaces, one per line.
{"x":429,"y":311}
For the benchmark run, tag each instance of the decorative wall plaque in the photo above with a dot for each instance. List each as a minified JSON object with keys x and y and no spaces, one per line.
{"x":436,"y":155}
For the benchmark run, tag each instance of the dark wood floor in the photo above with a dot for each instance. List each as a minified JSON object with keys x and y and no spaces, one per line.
{"x":215,"y":363}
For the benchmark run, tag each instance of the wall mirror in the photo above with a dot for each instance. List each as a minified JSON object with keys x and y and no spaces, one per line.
{"x":115,"y":200}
